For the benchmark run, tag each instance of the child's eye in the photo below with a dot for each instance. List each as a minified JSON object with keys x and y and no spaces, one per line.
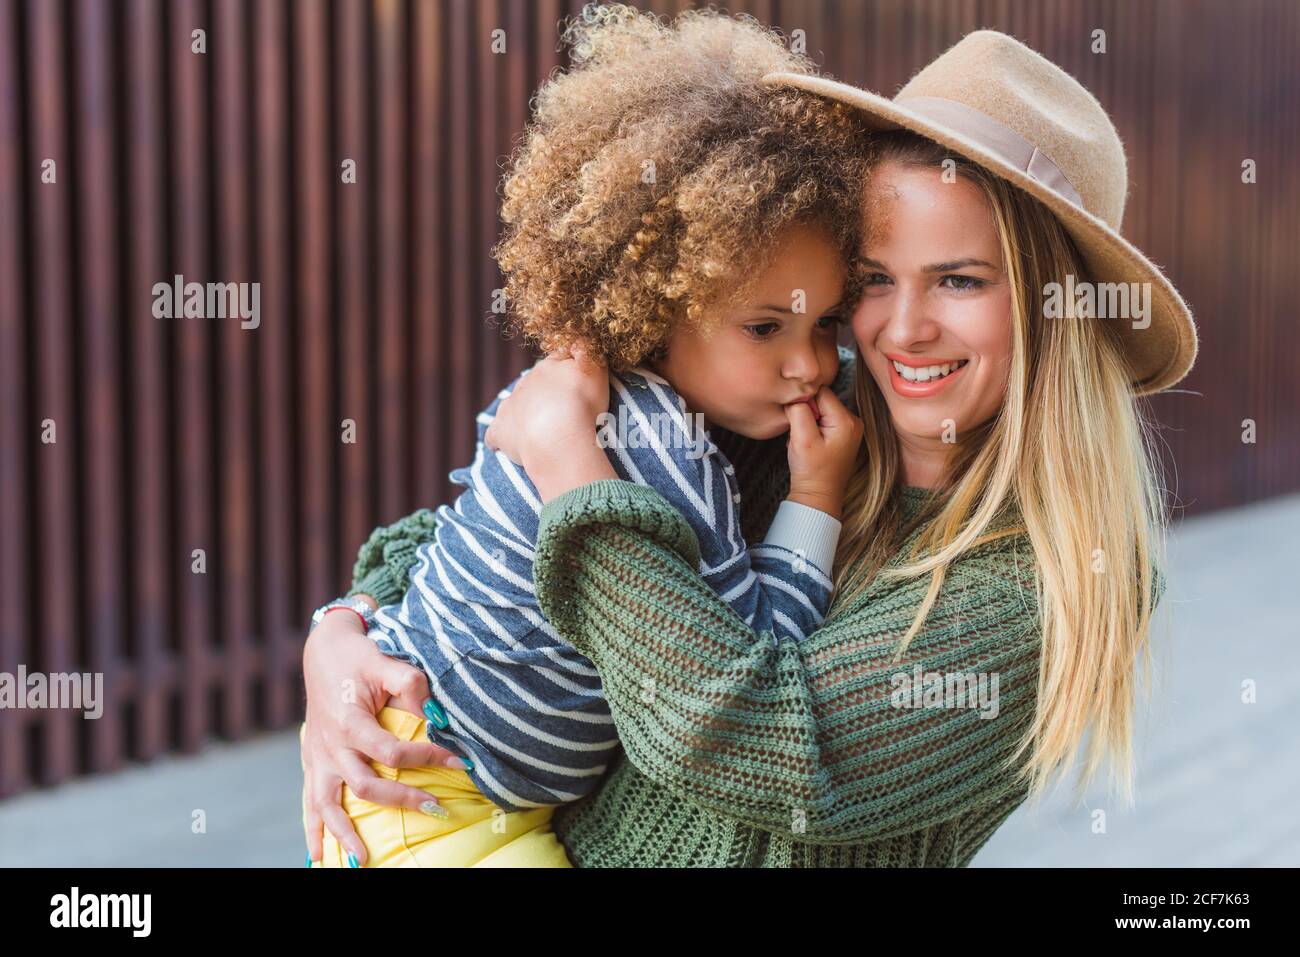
{"x":754,"y":329}
{"x":963,"y":283}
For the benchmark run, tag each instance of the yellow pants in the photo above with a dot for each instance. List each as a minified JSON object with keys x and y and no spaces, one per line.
{"x":476,"y":834}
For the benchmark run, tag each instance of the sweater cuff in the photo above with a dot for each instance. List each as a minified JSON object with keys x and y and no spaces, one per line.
{"x":806,"y":531}
{"x":620,"y":502}
{"x":568,"y":521}
{"x":383,"y":566}
{"x":380,"y":585}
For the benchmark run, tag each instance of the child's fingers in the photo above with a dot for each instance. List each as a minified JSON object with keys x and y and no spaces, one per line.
{"x":803,"y":424}
{"x":832,"y":409}
{"x":836,"y":416}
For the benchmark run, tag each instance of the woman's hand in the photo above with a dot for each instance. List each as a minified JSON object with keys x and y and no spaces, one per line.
{"x":822,"y":453}
{"x":548,"y":424}
{"x":349,"y":681}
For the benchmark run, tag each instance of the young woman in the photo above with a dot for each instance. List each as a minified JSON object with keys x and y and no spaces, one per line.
{"x":1004,"y":526}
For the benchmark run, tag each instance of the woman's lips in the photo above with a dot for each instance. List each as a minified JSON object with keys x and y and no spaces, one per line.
{"x":917,"y":390}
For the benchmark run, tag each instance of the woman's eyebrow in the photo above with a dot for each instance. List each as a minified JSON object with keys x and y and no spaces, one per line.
{"x":958,"y":264}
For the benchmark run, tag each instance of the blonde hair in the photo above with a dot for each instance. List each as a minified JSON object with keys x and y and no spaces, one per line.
{"x":1071,"y":452}
{"x":657,"y":176}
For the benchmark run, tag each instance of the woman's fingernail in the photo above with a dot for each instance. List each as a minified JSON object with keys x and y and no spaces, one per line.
{"x":458,"y":764}
{"x":309,"y":858}
{"x":434,"y":809}
{"x":352,"y":861}
{"x":434,"y":714}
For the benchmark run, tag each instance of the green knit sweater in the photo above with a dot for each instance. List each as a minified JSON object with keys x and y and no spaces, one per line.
{"x":740,"y":751}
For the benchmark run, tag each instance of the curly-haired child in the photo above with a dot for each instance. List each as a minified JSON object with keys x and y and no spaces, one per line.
{"x":674,"y":219}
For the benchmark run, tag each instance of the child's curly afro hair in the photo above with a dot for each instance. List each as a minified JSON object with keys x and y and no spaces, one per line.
{"x":656,"y":175}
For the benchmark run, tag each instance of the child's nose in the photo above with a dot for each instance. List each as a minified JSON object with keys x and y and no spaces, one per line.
{"x":802,"y":365}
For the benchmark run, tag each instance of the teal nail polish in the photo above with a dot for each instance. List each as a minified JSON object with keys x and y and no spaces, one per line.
{"x":309,"y":858}
{"x":352,"y":861}
{"x":434,"y":714}
{"x":469,"y":765}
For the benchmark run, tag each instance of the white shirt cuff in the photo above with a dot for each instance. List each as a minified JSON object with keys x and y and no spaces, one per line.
{"x":806,"y":531}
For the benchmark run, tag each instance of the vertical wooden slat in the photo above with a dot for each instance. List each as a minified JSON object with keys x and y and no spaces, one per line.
{"x":519,"y":84}
{"x":193,"y":382}
{"x":17,"y":424}
{"x":547,"y":15}
{"x":235,"y":421}
{"x":389,"y":326}
{"x":279,"y":556}
{"x":353,"y":276}
{"x":151,"y":486}
{"x":318,"y":430}
{"x":432,"y":319}
{"x":102,"y":327}
{"x":459,"y":225}
{"x":487,"y":94}
{"x":57,"y":503}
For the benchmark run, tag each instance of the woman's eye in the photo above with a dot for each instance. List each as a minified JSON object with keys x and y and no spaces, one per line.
{"x":963,"y":283}
{"x":831,"y":321}
{"x":760,"y":330}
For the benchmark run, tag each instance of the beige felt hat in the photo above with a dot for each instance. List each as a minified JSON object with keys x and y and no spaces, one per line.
{"x":1000,"y":104}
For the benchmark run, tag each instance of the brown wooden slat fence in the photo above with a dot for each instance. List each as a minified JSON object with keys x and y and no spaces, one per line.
{"x":176,"y":435}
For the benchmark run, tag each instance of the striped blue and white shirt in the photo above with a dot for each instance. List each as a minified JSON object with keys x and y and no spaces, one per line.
{"x":521,"y":703}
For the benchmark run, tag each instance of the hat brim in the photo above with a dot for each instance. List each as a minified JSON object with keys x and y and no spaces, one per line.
{"x":1160,"y":353}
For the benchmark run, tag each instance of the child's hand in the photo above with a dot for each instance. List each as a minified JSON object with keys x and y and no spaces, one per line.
{"x":822,"y":456}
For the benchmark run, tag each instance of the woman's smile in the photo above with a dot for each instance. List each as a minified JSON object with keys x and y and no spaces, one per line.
{"x":915,"y":381}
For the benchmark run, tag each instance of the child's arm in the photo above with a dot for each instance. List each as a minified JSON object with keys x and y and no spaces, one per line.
{"x":782,"y":586}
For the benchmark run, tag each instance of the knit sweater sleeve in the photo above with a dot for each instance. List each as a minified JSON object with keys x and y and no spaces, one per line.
{"x":383,"y":566}
{"x":827,"y":739}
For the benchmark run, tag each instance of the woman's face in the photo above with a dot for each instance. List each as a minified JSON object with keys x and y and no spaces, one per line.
{"x":936,"y":294}
{"x":768,"y":350}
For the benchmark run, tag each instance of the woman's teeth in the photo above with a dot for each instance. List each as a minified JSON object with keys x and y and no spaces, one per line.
{"x":926,"y":373}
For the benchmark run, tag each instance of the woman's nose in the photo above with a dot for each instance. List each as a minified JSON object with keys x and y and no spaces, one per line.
{"x":911,"y":321}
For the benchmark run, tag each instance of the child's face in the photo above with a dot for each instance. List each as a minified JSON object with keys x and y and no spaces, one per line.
{"x":935,"y":290}
{"x":774,"y":348}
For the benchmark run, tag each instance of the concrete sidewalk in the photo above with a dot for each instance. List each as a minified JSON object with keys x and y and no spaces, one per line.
{"x":1216,"y":778}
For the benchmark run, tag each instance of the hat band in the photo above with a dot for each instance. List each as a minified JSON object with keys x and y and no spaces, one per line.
{"x":1002,"y":141}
